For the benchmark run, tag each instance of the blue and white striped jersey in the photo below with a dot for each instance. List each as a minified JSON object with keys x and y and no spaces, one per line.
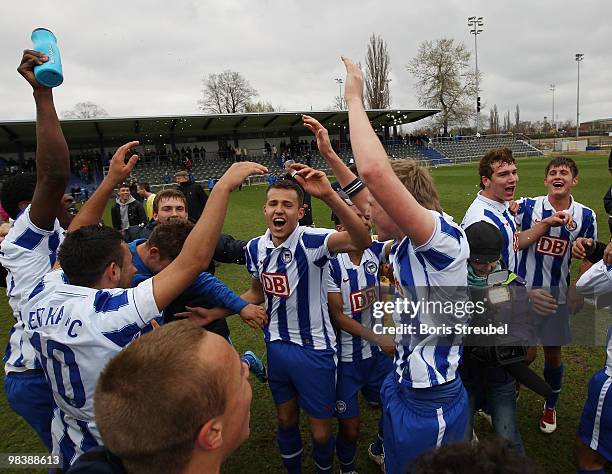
{"x":435,"y":272}
{"x":359,"y":286}
{"x":75,"y":332}
{"x":597,"y":281}
{"x":294,"y":279}
{"x":497,"y":213}
{"x":546,"y":263}
{"x":27,"y":253}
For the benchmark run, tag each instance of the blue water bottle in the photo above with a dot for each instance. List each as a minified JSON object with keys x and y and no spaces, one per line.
{"x":48,"y":74}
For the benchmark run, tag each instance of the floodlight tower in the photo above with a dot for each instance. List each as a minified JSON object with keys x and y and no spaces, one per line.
{"x":339,"y":80}
{"x":552,"y":89}
{"x":579,"y":57}
{"x":476,"y":24}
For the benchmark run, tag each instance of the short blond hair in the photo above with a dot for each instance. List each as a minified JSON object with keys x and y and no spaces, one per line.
{"x":153,"y":397}
{"x":418,"y":181}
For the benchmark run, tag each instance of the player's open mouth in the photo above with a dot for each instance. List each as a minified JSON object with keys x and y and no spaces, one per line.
{"x":558,"y":184}
{"x":510,"y":189}
{"x":278,"y":223}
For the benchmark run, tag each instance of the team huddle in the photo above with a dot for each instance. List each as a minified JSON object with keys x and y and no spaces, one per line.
{"x":99,"y":367}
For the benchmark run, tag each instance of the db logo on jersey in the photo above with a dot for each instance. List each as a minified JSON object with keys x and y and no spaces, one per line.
{"x":362,"y":299}
{"x":552,"y":246}
{"x":276,"y":284}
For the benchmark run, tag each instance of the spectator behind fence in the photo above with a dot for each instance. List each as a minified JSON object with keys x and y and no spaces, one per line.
{"x":127,"y":211}
{"x":198,"y":388}
{"x":144,"y":191}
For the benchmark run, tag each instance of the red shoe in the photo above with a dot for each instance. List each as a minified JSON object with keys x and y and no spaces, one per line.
{"x":548,"y":422}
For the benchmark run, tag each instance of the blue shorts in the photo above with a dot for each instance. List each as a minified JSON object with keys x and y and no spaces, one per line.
{"x":554,"y":330}
{"x":417,"y":420}
{"x":305,"y":373}
{"x":365,"y":375}
{"x":29,"y":395}
{"x":595,"y":427}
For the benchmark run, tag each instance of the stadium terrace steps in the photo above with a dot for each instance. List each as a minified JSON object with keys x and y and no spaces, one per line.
{"x":438,"y":152}
{"x":472,"y":148}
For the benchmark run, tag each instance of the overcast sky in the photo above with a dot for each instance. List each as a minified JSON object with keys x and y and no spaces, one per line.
{"x":139,"y":57}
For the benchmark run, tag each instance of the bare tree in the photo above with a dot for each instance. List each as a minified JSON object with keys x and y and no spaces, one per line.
{"x":445,"y":80}
{"x":259,"y":106}
{"x":338,"y":103}
{"x":85,"y":110}
{"x":226,"y":93}
{"x":494,"y":120}
{"x":377,"y":65}
{"x":507,"y":122}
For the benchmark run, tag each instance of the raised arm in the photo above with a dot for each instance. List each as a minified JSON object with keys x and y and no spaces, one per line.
{"x":52,"y":155}
{"x":342,"y":172}
{"x":375,"y":170}
{"x":199,"y":247}
{"x":357,"y":234}
{"x":92,"y":211}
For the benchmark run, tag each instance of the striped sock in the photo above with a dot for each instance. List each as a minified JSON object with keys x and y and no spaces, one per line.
{"x":554,"y":377}
{"x":323,"y":455}
{"x":290,"y":445}
{"x":346,"y":454}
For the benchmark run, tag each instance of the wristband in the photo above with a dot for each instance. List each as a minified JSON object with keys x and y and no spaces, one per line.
{"x":354,"y":187}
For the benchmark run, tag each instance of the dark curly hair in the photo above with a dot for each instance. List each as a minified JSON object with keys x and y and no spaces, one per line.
{"x":16,"y":189}
{"x":490,"y":455}
{"x":494,"y":155}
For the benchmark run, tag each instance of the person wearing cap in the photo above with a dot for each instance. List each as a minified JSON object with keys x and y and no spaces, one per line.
{"x":195,"y":194}
{"x":488,"y":384}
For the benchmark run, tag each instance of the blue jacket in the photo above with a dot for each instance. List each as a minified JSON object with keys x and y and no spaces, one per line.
{"x":206,"y":291}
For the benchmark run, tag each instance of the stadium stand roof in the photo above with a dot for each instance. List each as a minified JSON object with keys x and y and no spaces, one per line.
{"x":203,"y":127}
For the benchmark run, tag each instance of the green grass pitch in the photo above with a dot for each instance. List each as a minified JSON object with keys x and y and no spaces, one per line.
{"x":457,"y":186}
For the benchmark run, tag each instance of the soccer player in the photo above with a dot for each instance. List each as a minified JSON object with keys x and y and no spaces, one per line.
{"x":546,"y":265}
{"x":593,"y":447}
{"x":424,"y":402}
{"x":202,"y":407}
{"x":498,"y":180}
{"x":29,"y":250}
{"x":78,"y":317}
{"x":288,"y":265}
{"x":353,"y":288}
{"x":150,"y":257}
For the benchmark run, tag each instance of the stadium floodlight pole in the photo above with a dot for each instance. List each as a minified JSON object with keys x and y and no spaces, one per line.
{"x":339,"y":80}
{"x":476,"y":24}
{"x":552,"y":88}
{"x":579,"y":57}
